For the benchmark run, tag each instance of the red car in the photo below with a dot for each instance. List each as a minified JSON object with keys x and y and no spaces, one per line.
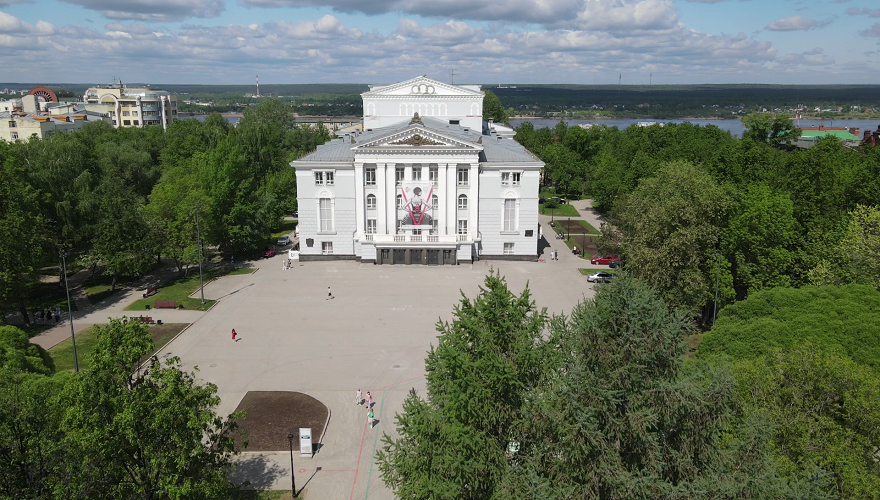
{"x":603,"y":260}
{"x":268,"y":252}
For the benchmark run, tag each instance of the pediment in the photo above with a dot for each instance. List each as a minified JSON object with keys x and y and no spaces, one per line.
{"x":421,"y":86}
{"x":416,"y":137}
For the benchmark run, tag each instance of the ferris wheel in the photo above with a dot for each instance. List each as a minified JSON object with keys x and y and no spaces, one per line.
{"x":44,"y":94}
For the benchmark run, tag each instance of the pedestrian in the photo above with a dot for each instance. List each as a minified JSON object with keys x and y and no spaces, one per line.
{"x":370,"y":417}
{"x":330,"y":296}
{"x":232,"y":260}
{"x":369,"y":400}
{"x":284,"y":265}
{"x":57,"y":314}
{"x":358,"y":399}
{"x":233,"y":335}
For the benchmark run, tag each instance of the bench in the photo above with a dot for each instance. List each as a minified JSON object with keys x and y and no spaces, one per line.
{"x":151,"y":291}
{"x":146,"y":319}
{"x":165,"y":304}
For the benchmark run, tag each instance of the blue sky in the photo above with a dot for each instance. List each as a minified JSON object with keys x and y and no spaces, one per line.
{"x":380,"y":41}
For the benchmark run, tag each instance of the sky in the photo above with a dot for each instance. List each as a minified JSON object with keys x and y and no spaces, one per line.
{"x":385,"y":41}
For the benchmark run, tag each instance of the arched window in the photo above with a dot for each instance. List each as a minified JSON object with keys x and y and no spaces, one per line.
{"x":462,"y":202}
{"x":399,"y":201}
{"x":371,"y":202}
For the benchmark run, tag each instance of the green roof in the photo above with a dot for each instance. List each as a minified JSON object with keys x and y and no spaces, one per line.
{"x":811,"y":135}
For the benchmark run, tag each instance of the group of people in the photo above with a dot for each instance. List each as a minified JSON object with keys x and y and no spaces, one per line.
{"x":286,"y":264}
{"x":368,"y":401}
{"x":554,"y":255}
{"x":46,"y":316}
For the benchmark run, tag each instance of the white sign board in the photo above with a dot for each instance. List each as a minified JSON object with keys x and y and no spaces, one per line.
{"x":293,"y":254}
{"x":305,"y":442}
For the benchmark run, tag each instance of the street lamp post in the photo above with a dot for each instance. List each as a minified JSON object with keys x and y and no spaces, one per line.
{"x":69,"y":311}
{"x":292,"y":478}
{"x":717,"y":284}
{"x":199,"y":233}
{"x":568,"y":230}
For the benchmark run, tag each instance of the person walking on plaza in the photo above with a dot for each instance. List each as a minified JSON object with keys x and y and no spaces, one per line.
{"x":330,"y":296}
{"x":357,"y":398}
{"x":370,"y":416}
{"x":369,"y":400}
{"x":57,"y":314}
{"x":233,"y":335}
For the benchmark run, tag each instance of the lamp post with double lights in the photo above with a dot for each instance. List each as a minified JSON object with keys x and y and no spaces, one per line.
{"x":69,"y":310}
{"x":290,"y":437}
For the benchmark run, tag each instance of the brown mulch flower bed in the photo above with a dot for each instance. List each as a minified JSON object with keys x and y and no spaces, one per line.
{"x":271,"y":415}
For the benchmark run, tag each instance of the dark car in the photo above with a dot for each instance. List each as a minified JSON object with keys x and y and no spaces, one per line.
{"x":268,"y":252}
{"x":614,"y":264}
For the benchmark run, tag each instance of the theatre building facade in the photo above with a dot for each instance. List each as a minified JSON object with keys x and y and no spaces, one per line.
{"x":426,"y":181}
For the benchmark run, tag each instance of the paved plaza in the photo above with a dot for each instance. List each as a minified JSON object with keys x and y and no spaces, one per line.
{"x":373,"y":335}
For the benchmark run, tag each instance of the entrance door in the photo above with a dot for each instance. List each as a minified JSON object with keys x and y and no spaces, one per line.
{"x":433,"y":257}
{"x":415,"y":256}
{"x":399,"y":256}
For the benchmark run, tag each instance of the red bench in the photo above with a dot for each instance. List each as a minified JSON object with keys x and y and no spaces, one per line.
{"x":165,"y":304}
{"x":146,"y":319}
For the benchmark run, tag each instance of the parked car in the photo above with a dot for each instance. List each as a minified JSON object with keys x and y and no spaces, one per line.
{"x":600,"y":277}
{"x":268,"y":252}
{"x":614,"y":264}
{"x":604,"y":261}
{"x":283,"y":241}
{"x":559,"y":200}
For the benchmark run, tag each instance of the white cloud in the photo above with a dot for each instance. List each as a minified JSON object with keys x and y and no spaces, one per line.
{"x":11,"y":25}
{"x":792,"y":23}
{"x":153,"y":10}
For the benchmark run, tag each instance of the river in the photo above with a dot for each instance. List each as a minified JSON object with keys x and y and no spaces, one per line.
{"x":735,"y":127}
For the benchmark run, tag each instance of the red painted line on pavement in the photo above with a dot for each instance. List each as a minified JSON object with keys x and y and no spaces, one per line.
{"x":353,"y":483}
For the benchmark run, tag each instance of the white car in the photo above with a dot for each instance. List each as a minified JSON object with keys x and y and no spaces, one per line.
{"x":600,"y":277}
{"x":283,"y":241}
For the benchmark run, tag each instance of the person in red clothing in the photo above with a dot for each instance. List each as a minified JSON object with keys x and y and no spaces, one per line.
{"x":233,"y":335}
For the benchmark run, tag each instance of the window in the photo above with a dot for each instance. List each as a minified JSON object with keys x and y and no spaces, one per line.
{"x":417,"y":232}
{"x":13,"y":135}
{"x":454,"y":122}
{"x":433,"y":227}
{"x":462,"y":177}
{"x":434,"y":202}
{"x":462,"y":202}
{"x":371,"y":226}
{"x":371,"y":202}
{"x":323,"y":178}
{"x":399,"y":202}
{"x":398,"y":175}
{"x":134,"y":113}
{"x":510,"y":178}
{"x":434,"y":175}
{"x":12,"y":124}
{"x":508,"y":249}
{"x":326,"y":215}
{"x":462,"y":227}
{"x":417,"y":173}
{"x":326,"y":248}
{"x":126,"y":113}
{"x":510,"y":215}
{"x":126,"y":122}
{"x":136,"y":122}
{"x":369,"y":176}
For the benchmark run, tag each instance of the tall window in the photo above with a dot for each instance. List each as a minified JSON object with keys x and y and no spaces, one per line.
{"x":327,"y":247}
{"x":326,"y":215}
{"x":13,"y":136}
{"x":434,"y":202}
{"x":510,"y":215}
{"x":371,"y":226}
{"x":433,"y":227}
{"x":510,"y":178}
{"x":462,"y":227}
{"x":399,"y":202}
{"x":462,"y":177}
{"x":462,"y":202}
{"x":328,"y":178}
{"x":398,"y":175}
{"x":369,"y":176}
{"x":434,"y":175}
{"x":417,"y":172}
{"x":508,"y":249}
{"x":371,"y":202}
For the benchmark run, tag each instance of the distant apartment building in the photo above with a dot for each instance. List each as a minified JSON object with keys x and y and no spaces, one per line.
{"x":22,"y":125}
{"x":133,"y":107}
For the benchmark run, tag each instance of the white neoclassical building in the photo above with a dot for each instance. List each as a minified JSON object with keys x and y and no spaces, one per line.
{"x":426,"y":181}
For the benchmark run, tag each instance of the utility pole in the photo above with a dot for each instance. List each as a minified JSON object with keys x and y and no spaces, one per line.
{"x":69,"y":310}
{"x":452,"y":76}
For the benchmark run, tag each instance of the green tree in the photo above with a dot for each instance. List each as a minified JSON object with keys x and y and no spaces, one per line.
{"x":670,"y":227}
{"x":760,"y":239}
{"x":859,"y":250}
{"x":824,"y":409}
{"x":17,"y":354}
{"x":453,"y":443}
{"x":621,"y":416}
{"x":493,"y":109}
{"x":769,"y":128}
{"x":146,"y":432}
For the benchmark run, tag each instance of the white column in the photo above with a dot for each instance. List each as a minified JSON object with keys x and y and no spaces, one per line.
{"x":473,"y":200}
{"x":391,"y":200}
{"x":360,"y":208}
{"x":442,"y":192}
{"x":381,"y":202}
{"x":451,"y":199}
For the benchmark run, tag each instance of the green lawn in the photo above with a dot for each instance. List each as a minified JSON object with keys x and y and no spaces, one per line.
{"x":578,"y":239}
{"x":177,"y":290}
{"x":62,"y":354}
{"x":560,"y":211}
{"x":589,"y":227}
{"x":97,"y":293}
{"x":287,"y":227}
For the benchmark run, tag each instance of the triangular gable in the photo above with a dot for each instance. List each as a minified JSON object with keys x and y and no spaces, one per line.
{"x":415,"y":136}
{"x":421,"y":85}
